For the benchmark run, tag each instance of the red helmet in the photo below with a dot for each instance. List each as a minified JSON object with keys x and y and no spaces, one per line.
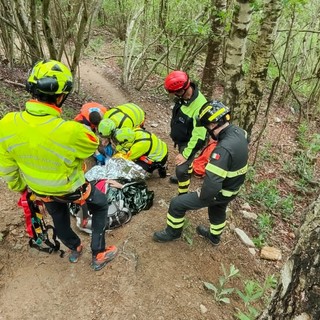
{"x":176,"y":80}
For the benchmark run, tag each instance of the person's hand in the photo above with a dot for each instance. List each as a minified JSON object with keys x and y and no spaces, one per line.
{"x":114,"y":184}
{"x":180,"y":159}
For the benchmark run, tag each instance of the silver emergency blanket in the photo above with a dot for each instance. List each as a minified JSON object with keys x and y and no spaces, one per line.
{"x":117,"y":169}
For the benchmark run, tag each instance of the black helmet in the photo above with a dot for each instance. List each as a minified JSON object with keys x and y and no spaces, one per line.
{"x":213,"y":112}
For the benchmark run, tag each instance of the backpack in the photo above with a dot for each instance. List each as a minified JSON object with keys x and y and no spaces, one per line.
{"x":39,"y":232}
{"x":135,"y":195}
{"x":199,"y":163}
{"x":123,"y":203}
{"x":118,"y":214}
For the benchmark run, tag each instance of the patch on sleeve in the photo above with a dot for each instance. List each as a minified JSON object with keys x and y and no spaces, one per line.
{"x":92,"y":137}
{"x":215,"y":156}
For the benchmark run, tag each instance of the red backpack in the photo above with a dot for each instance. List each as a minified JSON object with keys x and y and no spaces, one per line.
{"x":38,"y":231}
{"x":199,"y":163}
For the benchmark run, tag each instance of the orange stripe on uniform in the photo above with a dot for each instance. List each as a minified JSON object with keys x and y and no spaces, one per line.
{"x":92,"y":138}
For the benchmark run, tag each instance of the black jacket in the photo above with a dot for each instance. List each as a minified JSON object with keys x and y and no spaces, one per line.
{"x":184,"y":131}
{"x":227,"y":167}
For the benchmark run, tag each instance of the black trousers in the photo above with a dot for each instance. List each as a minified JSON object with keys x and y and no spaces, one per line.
{"x":98,"y":206}
{"x":183,"y":172}
{"x":190,"y":201}
{"x":153,"y":166}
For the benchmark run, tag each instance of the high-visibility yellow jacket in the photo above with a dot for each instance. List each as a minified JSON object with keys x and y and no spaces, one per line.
{"x":40,"y":150}
{"x":146,"y":144}
{"x":128,"y":115}
{"x":184,"y":129}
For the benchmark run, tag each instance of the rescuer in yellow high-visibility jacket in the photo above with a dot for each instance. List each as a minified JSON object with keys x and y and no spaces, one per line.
{"x":142,"y":147}
{"x":41,"y":151}
{"x":186,"y":135}
{"x":128,"y":115}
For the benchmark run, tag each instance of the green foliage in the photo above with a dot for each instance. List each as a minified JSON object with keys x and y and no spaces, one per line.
{"x":188,"y":232}
{"x":220,"y":292}
{"x":260,"y":241}
{"x":265,"y":223}
{"x":251,"y":173}
{"x":267,"y":153}
{"x":12,"y":99}
{"x":252,"y":293}
{"x":286,"y":206}
{"x":265,"y":193}
{"x":95,"y":45}
{"x":306,"y":156}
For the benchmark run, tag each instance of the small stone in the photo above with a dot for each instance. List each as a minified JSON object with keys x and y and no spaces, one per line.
{"x":18,"y":246}
{"x":291,"y":235}
{"x":270,"y":253}
{"x":229,"y":212}
{"x":244,"y":238}
{"x":249,"y":215}
{"x":246,"y":206}
{"x":203,"y":309}
{"x":252,"y":251}
{"x":302,"y":316}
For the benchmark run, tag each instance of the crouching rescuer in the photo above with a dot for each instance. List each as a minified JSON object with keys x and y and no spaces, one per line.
{"x":225,"y":173}
{"x":41,"y":151}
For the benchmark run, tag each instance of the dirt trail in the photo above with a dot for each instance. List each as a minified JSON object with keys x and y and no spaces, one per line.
{"x":147,"y":280}
{"x":94,"y":82}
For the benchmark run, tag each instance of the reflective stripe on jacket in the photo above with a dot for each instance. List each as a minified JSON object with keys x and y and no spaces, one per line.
{"x":43,"y":151}
{"x":228,"y":165}
{"x":128,"y":115}
{"x":147,"y":144}
{"x":184,"y":130}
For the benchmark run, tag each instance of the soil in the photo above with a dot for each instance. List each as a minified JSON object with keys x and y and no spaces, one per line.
{"x":147,"y":280}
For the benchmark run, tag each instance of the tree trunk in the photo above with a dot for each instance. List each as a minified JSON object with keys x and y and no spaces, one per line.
{"x":214,"y":47}
{"x":235,"y":50}
{"x":250,"y":99}
{"x":297,"y":296}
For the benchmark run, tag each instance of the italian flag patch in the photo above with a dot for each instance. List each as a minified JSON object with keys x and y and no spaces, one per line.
{"x":215,"y":156}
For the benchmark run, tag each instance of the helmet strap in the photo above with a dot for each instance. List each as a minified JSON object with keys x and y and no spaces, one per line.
{"x":212,"y":135}
{"x":60,"y":99}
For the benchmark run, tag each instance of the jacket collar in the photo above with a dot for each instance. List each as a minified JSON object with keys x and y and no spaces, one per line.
{"x":39,"y":108}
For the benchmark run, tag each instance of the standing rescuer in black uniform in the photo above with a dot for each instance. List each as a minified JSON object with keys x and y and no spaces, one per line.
{"x":225,"y":174}
{"x":184,"y":132}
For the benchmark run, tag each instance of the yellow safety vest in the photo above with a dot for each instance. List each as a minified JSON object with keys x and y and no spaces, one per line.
{"x":43,"y":151}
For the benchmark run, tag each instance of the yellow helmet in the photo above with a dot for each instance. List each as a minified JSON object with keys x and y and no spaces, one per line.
{"x":106,"y":127}
{"x":49,"y":77}
{"x":123,"y":139}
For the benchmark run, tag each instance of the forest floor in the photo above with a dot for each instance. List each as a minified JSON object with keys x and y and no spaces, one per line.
{"x":147,"y":280}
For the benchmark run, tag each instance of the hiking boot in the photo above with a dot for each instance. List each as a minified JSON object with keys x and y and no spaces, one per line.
{"x":165,"y":236}
{"x":204,"y":232}
{"x":102,"y":258}
{"x":173,"y":179}
{"x":75,"y":254}
{"x":162,"y":172}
